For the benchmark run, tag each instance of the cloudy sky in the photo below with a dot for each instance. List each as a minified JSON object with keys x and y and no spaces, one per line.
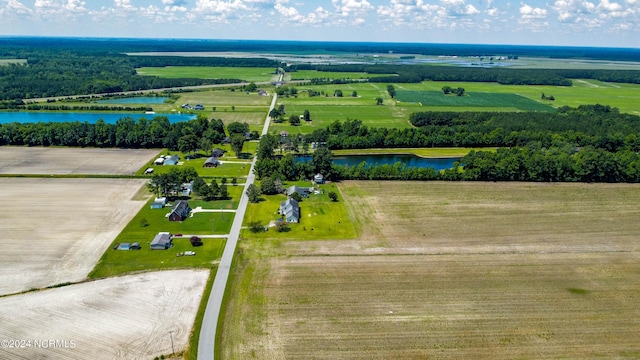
{"x":537,"y":22}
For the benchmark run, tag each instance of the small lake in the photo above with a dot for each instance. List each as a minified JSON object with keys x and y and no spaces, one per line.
{"x":92,"y":118}
{"x":134,"y":100}
{"x":390,"y":159}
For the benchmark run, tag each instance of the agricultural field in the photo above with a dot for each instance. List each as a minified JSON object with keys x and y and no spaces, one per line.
{"x":86,"y":161}
{"x":511,"y":102}
{"x":55,"y":230}
{"x":449,"y":270}
{"x":137,"y":316}
{"x":248,"y":74}
{"x":314,"y":74}
{"x":625,"y":97}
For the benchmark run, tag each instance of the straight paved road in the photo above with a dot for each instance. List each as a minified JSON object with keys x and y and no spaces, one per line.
{"x":207,"y":338}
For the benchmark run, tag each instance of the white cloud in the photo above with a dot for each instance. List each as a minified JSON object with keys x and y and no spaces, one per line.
{"x":15,"y":7}
{"x":573,"y":10}
{"x":528,"y":12}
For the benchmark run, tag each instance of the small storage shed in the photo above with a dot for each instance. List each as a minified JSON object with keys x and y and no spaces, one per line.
{"x":171,"y":160}
{"x":159,"y":203}
{"x":162,"y":241}
{"x":318,"y":179}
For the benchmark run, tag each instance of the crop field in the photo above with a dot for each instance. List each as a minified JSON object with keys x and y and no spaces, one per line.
{"x":45,"y":160}
{"x":625,"y":97}
{"x":476,"y":99}
{"x":137,"y":316}
{"x":250,"y":74}
{"x":314,"y":74}
{"x":449,"y":271}
{"x":55,"y":230}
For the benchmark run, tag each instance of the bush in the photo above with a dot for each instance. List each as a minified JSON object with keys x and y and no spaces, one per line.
{"x":256,"y":227}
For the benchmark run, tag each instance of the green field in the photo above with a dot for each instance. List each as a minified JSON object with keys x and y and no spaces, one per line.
{"x":314,"y":74}
{"x":211,"y":72}
{"x":475,"y":99}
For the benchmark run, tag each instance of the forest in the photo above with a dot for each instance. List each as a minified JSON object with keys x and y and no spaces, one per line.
{"x":505,"y":76}
{"x":49,"y":73}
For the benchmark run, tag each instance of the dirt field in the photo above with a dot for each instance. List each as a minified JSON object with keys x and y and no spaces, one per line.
{"x":43,"y":160}
{"x":451,"y":271}
{"x":55,"y":230}
{"x":129,"y":317}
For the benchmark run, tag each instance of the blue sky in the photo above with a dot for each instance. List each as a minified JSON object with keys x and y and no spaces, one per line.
{"x":613,"y":23}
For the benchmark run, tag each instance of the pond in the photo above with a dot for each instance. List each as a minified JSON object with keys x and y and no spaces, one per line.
{"x":92,"y":118}
{"x":390,"y":159}
{"x":135,"y":100}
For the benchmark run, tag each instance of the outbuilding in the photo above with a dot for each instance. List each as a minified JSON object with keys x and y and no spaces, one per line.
{"x":159,"y":203}
{"x":171,"y":160}
{"x":318,"y":179}
{"x":303,"y":192}
{"x":162,"y":241}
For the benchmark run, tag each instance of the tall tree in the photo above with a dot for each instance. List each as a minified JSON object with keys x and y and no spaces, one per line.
{"x":237,"y":142}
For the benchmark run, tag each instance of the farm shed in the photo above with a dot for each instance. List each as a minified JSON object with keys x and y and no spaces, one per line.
{"x":304,"y":192}
{"x":290,"y":210}
{"x":159,"y":161}
{"x":171,"y":160}
{"x":159,"y":203}
{"x":211,"y":162}
{"x":180,"y":211}
{"x":161,"y":241}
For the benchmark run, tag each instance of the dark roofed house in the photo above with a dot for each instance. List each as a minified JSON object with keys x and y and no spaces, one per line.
{"x":304,"y":192}
{"x":162,"y":241}
{"x":262,"y":92}
{"x":212,"y":162}
{"x":217,"y":153}
{"x":180,"y":211}
{"x":290,"y":210}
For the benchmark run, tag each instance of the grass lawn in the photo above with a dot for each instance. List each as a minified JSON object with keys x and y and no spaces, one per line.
{"x":249,"y":74}
{"x":234,"y":168}
{"x":115,"y":262}
{"x":320,"y":217}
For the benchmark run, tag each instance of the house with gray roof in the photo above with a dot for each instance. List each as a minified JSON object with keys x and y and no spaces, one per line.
{"x":162,"y":241}
{"x":290,"y":210}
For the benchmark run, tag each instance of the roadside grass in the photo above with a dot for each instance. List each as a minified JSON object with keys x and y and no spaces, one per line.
{"x":320,"y":218}
{"x":422,"y":152}
{"x":143,"y":228}
{"x":249,"y":74}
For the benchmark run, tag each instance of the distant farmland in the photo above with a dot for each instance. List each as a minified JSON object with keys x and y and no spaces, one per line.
{"x":474,"y":99}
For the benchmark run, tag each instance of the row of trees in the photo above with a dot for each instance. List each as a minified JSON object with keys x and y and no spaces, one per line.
{"x":187,"y":136}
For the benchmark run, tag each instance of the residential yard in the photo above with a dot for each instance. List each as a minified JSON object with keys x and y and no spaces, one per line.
{"x":320,"y":217}
{"x":448,"y":271}
{"x":148,"y":222}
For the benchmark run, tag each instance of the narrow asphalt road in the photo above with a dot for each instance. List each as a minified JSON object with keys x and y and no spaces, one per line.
{"x":207,"y":338}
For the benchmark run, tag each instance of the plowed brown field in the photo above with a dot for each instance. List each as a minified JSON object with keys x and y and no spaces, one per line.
{"x":450,"y":271}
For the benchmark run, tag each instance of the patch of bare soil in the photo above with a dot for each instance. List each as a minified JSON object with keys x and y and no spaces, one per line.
{"x":128,"y":317}
{"x":55,"y":230}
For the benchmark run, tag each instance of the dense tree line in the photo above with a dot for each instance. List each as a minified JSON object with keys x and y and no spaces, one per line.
{"x":510,"y":76}
{"x":125,"y":133}
{"x":591,"y":125}
{"x":53,"y":71}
